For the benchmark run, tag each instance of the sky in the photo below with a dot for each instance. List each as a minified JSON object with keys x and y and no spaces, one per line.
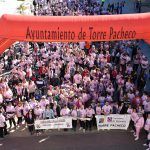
{"x":10,"y":6}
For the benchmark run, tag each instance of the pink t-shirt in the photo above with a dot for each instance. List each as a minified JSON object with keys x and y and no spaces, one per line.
{"x":19,"y":111}
{"x":65,"y":112}
{"x":90,"y":112}
{"x":82,"y":113}
{"x":98,"y":110}
{"x":140,"y":122}
{"x":77,"y":78}
{"x":107,"y":109}
{"x":134,"y":117}
{"x":74,"y":114}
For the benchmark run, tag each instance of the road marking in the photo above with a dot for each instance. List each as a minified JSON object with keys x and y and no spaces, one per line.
{"x":23,"y":122}
{"x":43,"y":140}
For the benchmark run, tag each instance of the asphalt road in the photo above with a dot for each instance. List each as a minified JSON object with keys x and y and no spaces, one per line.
{"x":102,"y":140}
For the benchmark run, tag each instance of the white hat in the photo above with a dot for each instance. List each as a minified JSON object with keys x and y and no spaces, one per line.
{"x":43,"y":97}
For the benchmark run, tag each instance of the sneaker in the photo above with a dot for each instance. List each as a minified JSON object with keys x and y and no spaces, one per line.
{"x":80,"y":128}
{"x":83,"y":130}
{"x":132,"y":131}
{"x":136,"y":138}
{"x":145,"y":144}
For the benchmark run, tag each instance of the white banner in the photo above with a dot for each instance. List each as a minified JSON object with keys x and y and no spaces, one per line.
{"x":113,"y":121}
{"x":57,"y":123}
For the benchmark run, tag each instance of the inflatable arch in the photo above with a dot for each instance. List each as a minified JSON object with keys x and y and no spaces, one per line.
{"x":73,"y":28}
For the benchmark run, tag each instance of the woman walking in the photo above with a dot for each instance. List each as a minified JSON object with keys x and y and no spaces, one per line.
{"x":138,"y":126}
{"x":30,"y":118}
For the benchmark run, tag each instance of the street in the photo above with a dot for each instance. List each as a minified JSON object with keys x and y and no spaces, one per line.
{"x":60,"y":140}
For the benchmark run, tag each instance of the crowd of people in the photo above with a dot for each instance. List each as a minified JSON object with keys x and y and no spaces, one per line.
{"x":76,"y":7}
{"x":49,"y":80}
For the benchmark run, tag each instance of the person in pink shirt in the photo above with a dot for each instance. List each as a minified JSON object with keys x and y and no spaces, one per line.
{"x":82,"y":116}
{"x":29,"y":72}
{"x":19,"y":113}
{"x":38,"y":112}
{"x":1,"y":97}
{"x":89,"y":114}
{"x":19,"y":89}
{"x":77,"y":79}
{"x":106,"y":109}
{"x":65,"y":111}
{"x":10,"y":111}
{"x":134,"y":117}
{"x":78,"y":102}
{"x":32,"y":88}
{"x":98,"y":109}
{"x":8,"y":94}
{"x":74,"y":116}
{"x":2,"y":124}
{"x":26,"y":108}
{"x":43,"y":102}
{"x":139,"y":125}
{"x":129,"y":110}
{"x":33,"y":103}
{"x":147,"y":128}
